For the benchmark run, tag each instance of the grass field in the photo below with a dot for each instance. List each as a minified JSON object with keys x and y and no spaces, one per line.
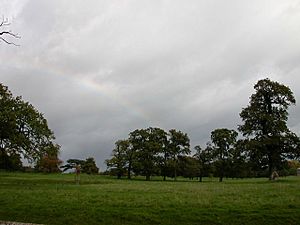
{"x":56,"y":199}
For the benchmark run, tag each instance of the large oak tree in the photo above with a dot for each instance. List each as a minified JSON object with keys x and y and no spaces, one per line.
{"x":23,"y":130}
{"x":265,"y":123}
{"x":147,"y":144}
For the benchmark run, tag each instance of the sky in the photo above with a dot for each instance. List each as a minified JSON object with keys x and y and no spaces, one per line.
{"x":98,"y":70}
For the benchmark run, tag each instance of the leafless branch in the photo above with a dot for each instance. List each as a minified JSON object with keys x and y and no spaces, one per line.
{"x":5,"y":33}
{"x":4,"y":22}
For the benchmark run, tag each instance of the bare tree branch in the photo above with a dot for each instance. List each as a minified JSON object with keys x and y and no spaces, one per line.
{"x":4,"y":34}
{"x":7,"y":42}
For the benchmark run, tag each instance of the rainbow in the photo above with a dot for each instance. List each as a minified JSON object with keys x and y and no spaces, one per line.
{"x":105,"y":92}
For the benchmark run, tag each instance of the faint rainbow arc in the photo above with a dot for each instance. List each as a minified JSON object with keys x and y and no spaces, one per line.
{"x":137,"y":111}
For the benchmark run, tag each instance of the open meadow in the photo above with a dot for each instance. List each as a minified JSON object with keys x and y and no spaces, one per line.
{"x":56,"y":199}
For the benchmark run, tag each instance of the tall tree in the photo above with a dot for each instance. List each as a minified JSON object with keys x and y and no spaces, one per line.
{"x":265,"y":122}
{"x":130,"y":155}
{"x":147,"y":143}
{"x":237,"y":158}
{"x":89,"y":166}
{"x":203,"y":157}
{"x":223,"y":140}
{"x":179,"y":145}
{"x":23,"y":130}
{"x":48,"y":161}
{"x":188,"y":166}
{"x":119,"y":157}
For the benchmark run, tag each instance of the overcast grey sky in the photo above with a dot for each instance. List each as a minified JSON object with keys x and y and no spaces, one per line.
{"x":100,"y":69}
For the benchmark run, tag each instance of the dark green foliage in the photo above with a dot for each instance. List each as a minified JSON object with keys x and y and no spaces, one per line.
{"x":147,"y":144}
{"x":49,"y":161}
{"x":188,"y":167}
{"x":87,"y":166}
{"x":23,"y":130}
{"x":204,"y":158}
{"x":178,"y":145}
{"x":148,"y":152}
{"x":120,"y":158}
{"x":265,"y":124}
{"x":223,"y":140}
{"x":238,"y":165}
{"x":10,"y":162}
{"x":72,"y":164}
{"x":268,"y":145}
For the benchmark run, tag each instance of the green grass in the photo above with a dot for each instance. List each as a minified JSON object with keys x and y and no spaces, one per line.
{"x":56,"y":199}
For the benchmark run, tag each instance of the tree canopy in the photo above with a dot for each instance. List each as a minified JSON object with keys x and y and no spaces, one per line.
{"x":23,"y":130}
{"x":223,"y":140}
{"x":265,"y":123}
{"x":120,"y":157}
{"x":87,"y":166}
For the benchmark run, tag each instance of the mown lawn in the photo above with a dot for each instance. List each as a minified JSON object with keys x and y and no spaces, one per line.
{"x":56,"y":199}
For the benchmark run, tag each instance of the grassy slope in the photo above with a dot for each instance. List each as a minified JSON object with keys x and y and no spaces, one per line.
{"x":55,"y":199}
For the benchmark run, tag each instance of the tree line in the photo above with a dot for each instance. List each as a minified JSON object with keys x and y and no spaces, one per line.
{"x":267,"y":146}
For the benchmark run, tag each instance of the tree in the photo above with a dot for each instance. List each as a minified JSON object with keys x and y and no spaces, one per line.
{"x":238,"y":167}
{"x":265,"y":123}
{"x":179,"y":144}
{"x":89,"y":166}
{"x":147,"y":143}
{"x":23,"y":130}
{"x":49,"y":161}
{"x":203,"y":157}
{"x":10,"y":162}
{"x":119,"y":158}
{"x":187,"y":167}
{"x":223,"y":140}
{"x":6,"y":35}
{"x":130,"y":157}
{"x":165,"y":159}
{"x":72,"y":164}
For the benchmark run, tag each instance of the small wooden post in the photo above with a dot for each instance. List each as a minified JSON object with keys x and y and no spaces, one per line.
{"x":77,"y":177}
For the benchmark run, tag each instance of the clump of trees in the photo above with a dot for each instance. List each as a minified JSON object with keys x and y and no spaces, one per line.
{"x":268,"y":145}
{"x":149,"y":152}
{"x":87,"y":166}
{"x":24,"y":132}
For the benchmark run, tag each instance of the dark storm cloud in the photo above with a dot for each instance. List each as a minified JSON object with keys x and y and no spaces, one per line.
{"x":101,"y":69}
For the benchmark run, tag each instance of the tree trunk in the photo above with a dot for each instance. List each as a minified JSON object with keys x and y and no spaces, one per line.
{"x":147,"y":177}
{"x":200,"y":179}
{"x":222,"y":170}
{"x":129,"y":171}
{"x":175,"y":170}
{"x":164,"y":177}
{"x":270,"y":171}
